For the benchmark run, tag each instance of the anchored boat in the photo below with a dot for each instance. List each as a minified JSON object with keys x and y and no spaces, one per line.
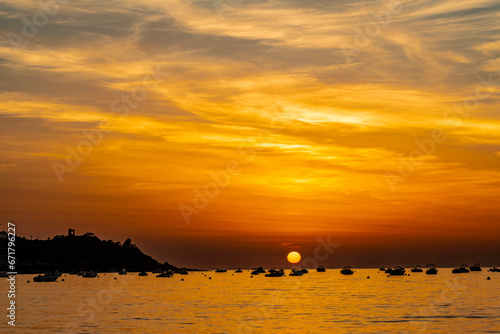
{"x":417,"y":269}
{"x":463,"y":269}
{"x":275,"y":272}
{"x":89,"y":274}
{"x":431,"y":269}
{"x":398,"y":271}
{"x":347,"y":271}
{"x":296,"y":272}
{"x":475,"y":267}
{"x":45,"y":278}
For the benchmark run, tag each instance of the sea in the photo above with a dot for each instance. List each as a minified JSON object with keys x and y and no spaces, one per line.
{"x":207,"y":302}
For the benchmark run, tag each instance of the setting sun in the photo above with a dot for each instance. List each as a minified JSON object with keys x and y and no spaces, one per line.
{"x":293,"y":257}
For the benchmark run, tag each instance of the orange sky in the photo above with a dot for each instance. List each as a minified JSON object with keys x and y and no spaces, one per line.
{"x":316,"y":105}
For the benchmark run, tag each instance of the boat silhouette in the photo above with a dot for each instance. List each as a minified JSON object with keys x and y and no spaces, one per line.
{"x":347,"y":271}
{"x":463,"y":269}
{"x":48,"y":277}
{"x":143,"y":273}
{"x":321,"y":269}
{"x":398,"y":271}
{"x":89,"y":274}
{"x":167,"y":274}
{"x":495,"y":270}
{"x":238,"y":270}
{"x":475,"y":267}
{"x":431,"y":269}
{"x":123,"y":271}
{"x":304,"y":269}
{"x":417,"y":269}
{"x":275,"y":272}
{"x":296,"y":272}
{"x":221,"y":270}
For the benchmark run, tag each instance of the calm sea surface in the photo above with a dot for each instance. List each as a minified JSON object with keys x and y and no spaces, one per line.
{"x":235,"y":303}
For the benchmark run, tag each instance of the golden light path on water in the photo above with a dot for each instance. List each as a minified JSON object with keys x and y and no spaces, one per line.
{"x":235,"y":303}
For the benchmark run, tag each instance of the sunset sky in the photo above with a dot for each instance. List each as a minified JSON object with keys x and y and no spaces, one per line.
{"x":324,"y":108}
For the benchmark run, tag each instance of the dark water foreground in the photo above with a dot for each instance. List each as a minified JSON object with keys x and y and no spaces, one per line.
{"x":235,"y":303}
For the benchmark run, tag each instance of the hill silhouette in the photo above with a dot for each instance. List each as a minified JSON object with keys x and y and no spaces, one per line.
{"x":77,"y":253}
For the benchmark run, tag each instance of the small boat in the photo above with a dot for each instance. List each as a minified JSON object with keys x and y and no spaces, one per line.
{"x":321,"y":269}
{"x":304,"y":269}
{"x":221,"y":270}
{"x":81,"y":273}
{"x":296,"y":272}
{"x":183,"y":272}
{"x":382,"y":268}
{"x":3,"y":274}
{"x":238,"y":270}
{"x":495,"y":270}
{"x":347,"y":271}
{"x":417,"y":269}
{"x":431,"y":269}
{"x":255,"y":271}
{"x":261,"y":270}
{"x":123,"y":271}
{"x":45,"y":278}
{"x":275,"y":273}
{"x":165,"y":274}
{"x":398,"y":271}
{"x":475,"y":267}
{"x":157,"y":271}
{"x":143,"y":273}
{"x":463,"y":269}
{"x":90,"y":274}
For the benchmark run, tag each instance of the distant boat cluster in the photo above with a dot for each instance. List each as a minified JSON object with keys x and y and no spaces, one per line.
{"x":432,"y":270}
{"x":400,"y":271}
{"x":53,"y":276}
{"x":273,"y":272}
{"x":347,"y":270}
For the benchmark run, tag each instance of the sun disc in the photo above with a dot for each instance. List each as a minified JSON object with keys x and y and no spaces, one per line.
{"x":293,"y":257}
